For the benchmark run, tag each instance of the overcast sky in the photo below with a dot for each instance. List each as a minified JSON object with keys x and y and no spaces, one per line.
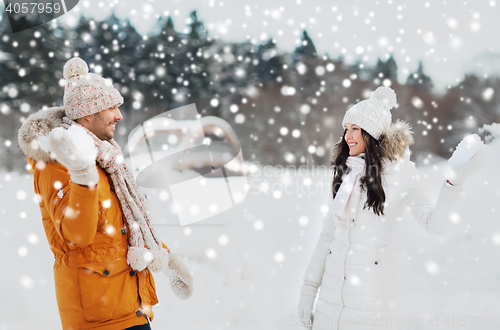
{"x":450,"y":37}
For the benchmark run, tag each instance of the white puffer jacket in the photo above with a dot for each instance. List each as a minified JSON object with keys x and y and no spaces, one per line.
{"x":353,"y":264}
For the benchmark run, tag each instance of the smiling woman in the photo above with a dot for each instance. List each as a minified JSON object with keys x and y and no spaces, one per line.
{"x":374,"y":180}
{"x":354,"y":139}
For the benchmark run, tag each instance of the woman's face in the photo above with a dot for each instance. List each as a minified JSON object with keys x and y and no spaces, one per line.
{"x":354,"y":139}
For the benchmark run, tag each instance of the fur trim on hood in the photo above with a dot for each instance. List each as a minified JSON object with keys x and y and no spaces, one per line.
{"x":395,"y":141}
{"x":38,"y":124}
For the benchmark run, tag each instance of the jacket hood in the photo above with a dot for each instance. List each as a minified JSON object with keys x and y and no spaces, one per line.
{"x":395,"y":141}
{"x":38,"y":124}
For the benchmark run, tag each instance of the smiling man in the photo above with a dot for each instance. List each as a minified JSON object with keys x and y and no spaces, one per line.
{"x":95,"y":217}
{"x":103,"y":123}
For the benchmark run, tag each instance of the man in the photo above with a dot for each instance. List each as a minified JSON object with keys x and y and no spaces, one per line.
{"x":95,"y":217}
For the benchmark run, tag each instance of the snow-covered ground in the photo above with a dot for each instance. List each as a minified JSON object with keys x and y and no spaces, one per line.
{"x":248,"y":262}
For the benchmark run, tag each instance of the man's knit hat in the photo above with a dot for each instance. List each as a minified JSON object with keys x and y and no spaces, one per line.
{"x":86,"y":93}
{"x":373,"y":114}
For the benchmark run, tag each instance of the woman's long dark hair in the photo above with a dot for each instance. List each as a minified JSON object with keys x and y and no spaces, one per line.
{"x":371,"y":181}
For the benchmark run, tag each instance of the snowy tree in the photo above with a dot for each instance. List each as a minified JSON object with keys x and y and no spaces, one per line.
{"x":386,"y":70}
{"x":420,"y":79}
{"x":306,"y":48}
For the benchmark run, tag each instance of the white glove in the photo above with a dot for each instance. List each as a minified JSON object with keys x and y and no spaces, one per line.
{"x":180,"y":279}
{"x":305,"y":306}
{"x":470,"y":155}
{"x":74,"y":149}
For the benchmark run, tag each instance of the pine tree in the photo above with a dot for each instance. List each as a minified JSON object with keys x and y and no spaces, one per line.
{"x":420,"y":79}
{"x":306,"y":48}
{"x":196,"y":66}
{"x":386,"y":70}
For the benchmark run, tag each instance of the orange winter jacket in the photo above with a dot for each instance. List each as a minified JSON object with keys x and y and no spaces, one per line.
{"x":86,"y":231}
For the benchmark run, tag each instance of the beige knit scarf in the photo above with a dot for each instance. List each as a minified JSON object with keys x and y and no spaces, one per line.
{"x":145,"y":248}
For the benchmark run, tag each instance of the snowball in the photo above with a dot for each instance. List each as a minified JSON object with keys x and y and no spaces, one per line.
{"x":86,"y":150}
{"x":44,"y":143}
{"x":465,"y":150}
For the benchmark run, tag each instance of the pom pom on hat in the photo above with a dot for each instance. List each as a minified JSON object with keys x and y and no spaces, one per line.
{"x":75,"y":67}
{"x":385,"y":94}
{"x":373,"y":114}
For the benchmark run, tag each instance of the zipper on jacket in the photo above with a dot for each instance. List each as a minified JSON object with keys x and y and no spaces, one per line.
{"x":351,"y":224}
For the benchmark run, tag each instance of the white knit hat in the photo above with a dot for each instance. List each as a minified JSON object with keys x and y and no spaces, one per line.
{"x":86,"y":93}
{"x":373,"y":114}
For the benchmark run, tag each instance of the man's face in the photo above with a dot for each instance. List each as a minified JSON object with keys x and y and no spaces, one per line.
{"x":102,"y":124}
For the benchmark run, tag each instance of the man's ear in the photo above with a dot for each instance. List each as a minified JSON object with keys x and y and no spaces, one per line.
{"x":83,"y":120}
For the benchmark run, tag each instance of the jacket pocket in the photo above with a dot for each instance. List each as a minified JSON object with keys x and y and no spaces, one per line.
{"x":107,"y":290}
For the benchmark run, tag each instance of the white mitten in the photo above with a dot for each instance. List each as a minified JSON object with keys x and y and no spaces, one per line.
{"x":470,"y":155}
{"x":76,"y":150}
{"x":180,"y":279}
{"x":305,"y":306}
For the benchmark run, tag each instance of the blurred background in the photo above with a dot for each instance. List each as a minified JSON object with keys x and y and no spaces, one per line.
{"x":278,"y":76}
{"x":282,"y":74}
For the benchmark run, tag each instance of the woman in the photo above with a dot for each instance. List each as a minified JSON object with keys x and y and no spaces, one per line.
{"x":374,"y":181}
